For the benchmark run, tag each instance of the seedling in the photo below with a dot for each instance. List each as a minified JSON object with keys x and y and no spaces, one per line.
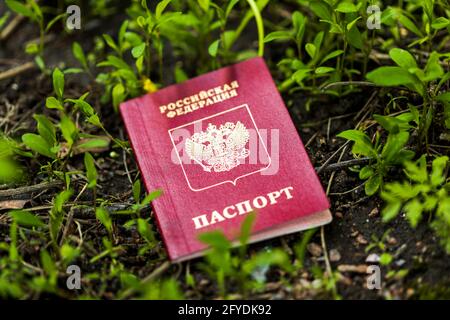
{"x":408,"y":74}
{"x":424,"y":193}
{"x":222,"y":263}
{"x":383,"y":156}
{"x":34,"y":12}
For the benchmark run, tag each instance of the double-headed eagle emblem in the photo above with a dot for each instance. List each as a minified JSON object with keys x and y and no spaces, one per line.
{"x":219,"y":149}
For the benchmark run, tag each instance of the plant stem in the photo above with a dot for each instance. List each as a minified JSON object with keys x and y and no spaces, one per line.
{"x":260,"y":26}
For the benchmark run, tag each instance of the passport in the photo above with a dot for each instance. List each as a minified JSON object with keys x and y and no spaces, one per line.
{"x":220,"y":146}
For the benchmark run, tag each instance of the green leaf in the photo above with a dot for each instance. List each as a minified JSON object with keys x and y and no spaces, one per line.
{"x":57,"y":213}
{"x":362,"y":145}
{"x":92,"y":144}
{"x":53,"y":103}
{"x":137,"y":191}
{"x":20,"y":8}
{"x":332,"y":55}
{"x":25,"y":218}
{"x":213,"y":48}
{"x":152,"y":196}
{"x":386,"y":259}
{"x":204,"y":4}
{"x":40,"y":62}
{"x":354,"y":37}
{"x":122,"y":31}
{"x":46,"y":129}
{"x":278,"y":36}
{"x":68,"y":253}
{"x":48,"y":264}
{"x":230,"y":7}
{"x":61,"y":199}
{"x":318,"y":39}
{"x":216,"y":239}
{"x":180,"y":75}
{"x":118,"y":95}
{"x":103,"y":216}
{"x":417,"y":171}
{"x":311,"y":49}
{"x":334,"y":27}
{"x":444,"y":97}
{"x":246,"y":228}
{"x":91,"y":171}
{"x":413,"y":211}
{"x":300,"y":74}
{"x":346,"y":7}
{"x":437,"y":173}
{"x":402,"y":58}
{"x":391,"y":211}
{"x":408,"y":24}
{"x":352,"y":23}
{"x":366,"y":172}
{"x":145,"y":230}
{"x":321,"y":9}
{"x":433,"y":69}
{"x":58,"y":83}
{"x":161,"y":6}
{"x":78,"y":53}
{"x":440,"y":23}
{"x":390,"y":76}
{"x":3,"y":19}
{"x":392,"y":124}
{"x":53,"y":21}
{"x":373,"y":184}
{"x":68,"y":129}
{"x":38,"y":144}
{"x":323,"y":70}
{"x":395,"y":142}
{"x":32,"y":48}
{"x":110,"y":42}
{"x":138,"y":51}
{"x":113,"y":61}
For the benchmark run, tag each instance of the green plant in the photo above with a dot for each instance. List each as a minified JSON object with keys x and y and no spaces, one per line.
{"x":3,"y":19}
{"x":10,"y":169}
{"x":338,"y":38}
{"x":399,"y":19}
{"x":47,"y":141}
{"x":425,"y":192}
{"x":34,"y":12}
{"x":225,"y":266}
{"x":382,"y":156}
{"x":407,"y":73}
{"x":142,"y":225}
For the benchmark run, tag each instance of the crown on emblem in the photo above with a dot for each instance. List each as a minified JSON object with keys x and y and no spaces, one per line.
{"x":219,"y":149}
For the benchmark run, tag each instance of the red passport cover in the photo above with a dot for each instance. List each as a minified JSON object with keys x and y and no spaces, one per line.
{"x":222,"y":145}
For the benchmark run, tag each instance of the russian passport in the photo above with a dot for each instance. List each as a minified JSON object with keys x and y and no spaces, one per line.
{"x":220,"y":146}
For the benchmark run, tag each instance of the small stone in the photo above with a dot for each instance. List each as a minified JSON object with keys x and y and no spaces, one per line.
{"x":339,"y":215}
{"x":360,"y":239}
{"x":373,"y":258}
{"x":314,"y":249}
{"x":391,"y":240}
{"x":400,"y":262}
{"x":374,"y":212}
{"x":334,"y":255}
